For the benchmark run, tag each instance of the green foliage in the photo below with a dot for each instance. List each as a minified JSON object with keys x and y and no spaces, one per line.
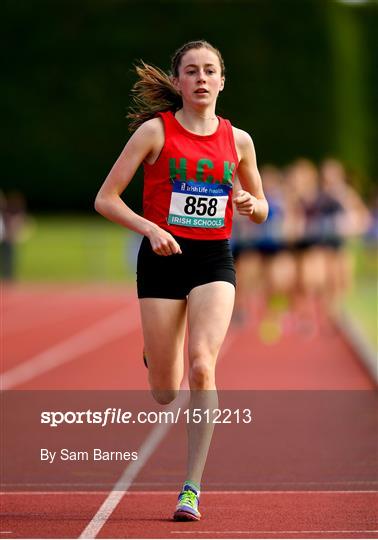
{"x":67,"y":75}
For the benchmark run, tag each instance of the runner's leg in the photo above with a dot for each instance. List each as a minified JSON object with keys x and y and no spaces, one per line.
{"x":164,"y":324}
{"x":209,"y":313}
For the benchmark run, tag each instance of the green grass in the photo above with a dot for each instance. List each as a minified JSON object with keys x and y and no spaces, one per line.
{"x":361,"y":302}
{"x":74,"y":248}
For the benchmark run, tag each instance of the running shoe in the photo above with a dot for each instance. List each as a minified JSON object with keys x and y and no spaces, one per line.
{"x":187,"y":506}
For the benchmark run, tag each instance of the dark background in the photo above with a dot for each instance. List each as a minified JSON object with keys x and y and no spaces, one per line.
{"x":300,"y":78}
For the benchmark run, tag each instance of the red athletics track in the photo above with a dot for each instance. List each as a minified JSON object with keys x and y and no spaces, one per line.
{"x":81,"y":337}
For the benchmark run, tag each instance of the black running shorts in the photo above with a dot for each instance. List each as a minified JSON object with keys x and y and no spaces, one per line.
{"x":174,"y":276}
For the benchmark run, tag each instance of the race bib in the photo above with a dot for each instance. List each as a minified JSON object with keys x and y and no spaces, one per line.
{"x":194,"y":204}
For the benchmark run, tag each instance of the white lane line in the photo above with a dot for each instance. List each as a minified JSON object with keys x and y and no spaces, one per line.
{"x":224,"y":532}
{"x":90,"y":339}
{"x":132,"y":470}
{"x":174,"y":492}
{"x":153,"y":486}
{"x":148,"y":447}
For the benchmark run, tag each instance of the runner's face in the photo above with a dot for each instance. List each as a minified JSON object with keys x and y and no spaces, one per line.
{"x":200,"y":79}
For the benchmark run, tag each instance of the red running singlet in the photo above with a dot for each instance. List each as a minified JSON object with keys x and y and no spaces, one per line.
{"x":188,"y":190}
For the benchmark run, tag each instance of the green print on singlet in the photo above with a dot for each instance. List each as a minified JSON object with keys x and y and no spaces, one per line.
{"x":228,"y":170}
{"x":178,"y":171}
{"x":201,"y":164}
{"x":199,"y":202}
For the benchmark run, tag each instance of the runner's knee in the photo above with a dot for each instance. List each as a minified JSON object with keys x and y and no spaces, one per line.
{"x":164,"y":386}
{"x":201,"y":375}
{"x":164,"y":396}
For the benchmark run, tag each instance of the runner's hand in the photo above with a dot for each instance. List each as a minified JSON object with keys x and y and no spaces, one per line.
{"x":245,"y":202}
{"x":163,"y":243}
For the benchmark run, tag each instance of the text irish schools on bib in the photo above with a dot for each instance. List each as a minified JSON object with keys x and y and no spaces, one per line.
{"x":96,"y":454}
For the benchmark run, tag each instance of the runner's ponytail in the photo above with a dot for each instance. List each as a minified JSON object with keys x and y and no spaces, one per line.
{"x":152,"y":93}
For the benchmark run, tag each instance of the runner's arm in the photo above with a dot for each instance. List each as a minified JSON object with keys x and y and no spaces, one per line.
{"x":144,"y":142}
{"x":250,"y":200}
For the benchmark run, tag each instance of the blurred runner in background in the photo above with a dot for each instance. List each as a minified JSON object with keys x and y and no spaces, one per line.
{"x":13,"y":222}
{"x":295,"y":265}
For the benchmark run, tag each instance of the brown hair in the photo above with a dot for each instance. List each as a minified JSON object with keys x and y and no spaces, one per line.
{"x":154,"y":91}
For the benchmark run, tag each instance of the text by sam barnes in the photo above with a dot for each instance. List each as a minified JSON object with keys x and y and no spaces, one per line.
{"x":95,"y":454}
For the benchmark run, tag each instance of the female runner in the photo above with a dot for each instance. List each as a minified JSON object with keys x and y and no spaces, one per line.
{"x":185,"y":268}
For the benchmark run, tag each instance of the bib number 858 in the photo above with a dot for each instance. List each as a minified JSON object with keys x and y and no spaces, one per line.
{"x":201,"y":206}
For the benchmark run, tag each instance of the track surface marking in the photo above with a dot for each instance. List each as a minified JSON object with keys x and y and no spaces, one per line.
{"x":89,"y":324}
{"x":143,"y":514}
